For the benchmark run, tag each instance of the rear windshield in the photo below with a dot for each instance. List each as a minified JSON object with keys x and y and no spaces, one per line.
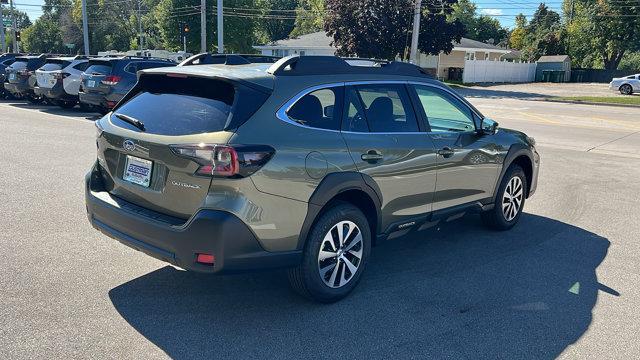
{"x":19,"y":65}
{"x":52,"y":66}
{"x":198,"y":107}
{"x":98,"y":69}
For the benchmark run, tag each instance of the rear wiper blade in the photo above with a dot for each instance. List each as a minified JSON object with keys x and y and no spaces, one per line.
{"x":133,"y":121}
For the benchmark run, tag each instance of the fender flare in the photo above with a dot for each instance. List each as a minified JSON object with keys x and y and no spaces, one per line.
{"x":331,"y":186}
{"x":514,"y":152}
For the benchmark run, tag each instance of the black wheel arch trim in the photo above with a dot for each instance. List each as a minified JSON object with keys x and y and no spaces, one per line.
{"x":331,"y":186}
{"x":514,"y":152}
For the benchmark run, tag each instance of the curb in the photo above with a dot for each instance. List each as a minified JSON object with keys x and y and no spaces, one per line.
{"x":590,"y":103}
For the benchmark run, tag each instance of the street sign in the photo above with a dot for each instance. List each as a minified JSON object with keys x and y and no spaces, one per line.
{"x":7,"y":22}
{"x":70,"y":46}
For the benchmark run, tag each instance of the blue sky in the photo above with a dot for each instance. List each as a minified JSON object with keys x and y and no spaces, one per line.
{"x":503,"y":10}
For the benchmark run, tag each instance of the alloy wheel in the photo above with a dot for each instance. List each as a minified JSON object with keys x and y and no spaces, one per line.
{"x":340,"y":254}
{"x":512,"y":198}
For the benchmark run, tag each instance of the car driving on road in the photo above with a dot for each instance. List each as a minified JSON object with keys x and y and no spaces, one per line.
{"x":106,"y":80}
{"x":58,"y":80}
{"x":303,"y":164}
{"x":626,"y":85}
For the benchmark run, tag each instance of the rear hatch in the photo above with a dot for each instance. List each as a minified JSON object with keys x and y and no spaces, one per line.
{"x":49,"y":74}
{"x":146,"y":145}
{"x":17,"y":72}
{"x":96,"y":78}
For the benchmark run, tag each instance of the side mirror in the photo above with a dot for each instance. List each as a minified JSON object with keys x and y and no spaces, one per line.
{"x":488,"y":127}
{"x":328,"y":111}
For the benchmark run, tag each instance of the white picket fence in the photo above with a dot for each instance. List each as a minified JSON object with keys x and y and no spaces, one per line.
{"x":488,"y":71}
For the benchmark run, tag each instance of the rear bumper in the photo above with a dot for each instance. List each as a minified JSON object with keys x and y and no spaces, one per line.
{"x":56,"y":92}
{"x":107,"y":101}
{"x":216,"y":232}
{"x":17,"y":88}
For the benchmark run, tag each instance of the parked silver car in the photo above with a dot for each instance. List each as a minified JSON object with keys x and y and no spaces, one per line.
{"x":59,"y":80}
{"x":626,"y":85}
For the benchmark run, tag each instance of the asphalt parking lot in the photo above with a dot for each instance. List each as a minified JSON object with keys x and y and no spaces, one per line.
{"x":565,"y":282}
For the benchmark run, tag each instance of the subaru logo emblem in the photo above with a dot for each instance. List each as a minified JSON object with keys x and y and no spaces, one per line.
{"x":129,"y":145}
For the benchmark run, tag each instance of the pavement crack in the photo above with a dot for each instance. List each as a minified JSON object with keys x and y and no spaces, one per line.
{"x":614,"y":140}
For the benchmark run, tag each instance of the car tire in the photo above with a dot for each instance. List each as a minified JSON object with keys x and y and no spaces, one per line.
{"x":509,"y":202}
{"x":626,"y":89}
{"x":330,"y":270}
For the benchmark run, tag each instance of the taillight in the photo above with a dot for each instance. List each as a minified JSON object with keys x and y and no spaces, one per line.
{"x":224,"y":160}
{"x":60,"y":75}
{"x":111,"y":80}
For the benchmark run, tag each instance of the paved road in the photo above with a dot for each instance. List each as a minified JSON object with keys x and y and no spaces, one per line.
{"x":541,"y":90}
{"x":565,"y":282}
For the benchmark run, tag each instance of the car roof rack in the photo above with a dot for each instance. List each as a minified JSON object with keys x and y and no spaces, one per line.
{"x":229,"y":59}
{"x":296,"y":65}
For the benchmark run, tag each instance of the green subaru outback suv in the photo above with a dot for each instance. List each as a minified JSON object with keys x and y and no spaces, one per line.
{"x":303,"y":164}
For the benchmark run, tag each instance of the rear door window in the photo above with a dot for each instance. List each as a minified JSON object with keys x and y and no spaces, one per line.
{"x":386,"y":108}
{"x":180,"y":110}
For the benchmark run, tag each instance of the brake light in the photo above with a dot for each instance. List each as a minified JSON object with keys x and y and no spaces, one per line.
{"x":224,"y":160}
{"x":111,"y":80}
{"x":60,"y":75}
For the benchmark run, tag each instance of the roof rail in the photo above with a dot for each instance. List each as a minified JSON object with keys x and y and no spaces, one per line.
{"x":296,"y":65}
{"x":228,"y":59}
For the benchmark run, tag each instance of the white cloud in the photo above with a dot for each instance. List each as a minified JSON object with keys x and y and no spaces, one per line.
{"x":491,"y":12}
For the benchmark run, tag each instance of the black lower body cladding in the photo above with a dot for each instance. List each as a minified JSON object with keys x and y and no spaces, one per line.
{"x":215,"y":232}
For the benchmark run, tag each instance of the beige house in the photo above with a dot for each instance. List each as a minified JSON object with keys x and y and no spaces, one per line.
{"x":444,"y":65}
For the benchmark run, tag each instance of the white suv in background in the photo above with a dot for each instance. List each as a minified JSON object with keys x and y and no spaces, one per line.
{"x":58,"y":80}
{"x":626,"y":85}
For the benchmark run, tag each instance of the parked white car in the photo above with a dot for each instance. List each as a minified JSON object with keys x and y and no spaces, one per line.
{"x":626,"y":85}
{"x":59,"y":79}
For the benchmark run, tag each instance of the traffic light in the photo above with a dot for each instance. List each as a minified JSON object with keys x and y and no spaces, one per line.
{"x":185,"y":29}
{"x":18,"y":36}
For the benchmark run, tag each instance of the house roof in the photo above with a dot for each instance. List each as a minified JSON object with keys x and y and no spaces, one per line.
{"x":553,"y":58}
{"x":474,"y":44}
{"x":320,"y":40}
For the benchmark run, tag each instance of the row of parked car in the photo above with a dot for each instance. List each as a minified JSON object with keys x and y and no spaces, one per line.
{"x":95,"y":83}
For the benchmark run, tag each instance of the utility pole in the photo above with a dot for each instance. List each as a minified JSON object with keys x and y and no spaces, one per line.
{"x":85,"y":28}
{"x":141,"y":45}
{"x":220,"y":29}
{"x":14,"y":26}
{"x":203,"y":26}
{"x":413,"y":57}
{"x":3,"y":42}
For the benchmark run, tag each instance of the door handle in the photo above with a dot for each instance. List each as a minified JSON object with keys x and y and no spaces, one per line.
{"x":372,"y":156}
{"x":446,"y":151}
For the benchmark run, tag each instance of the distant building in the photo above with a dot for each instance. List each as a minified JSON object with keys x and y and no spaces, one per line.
{"x":444,"y":65}
{"x":554,"y":63}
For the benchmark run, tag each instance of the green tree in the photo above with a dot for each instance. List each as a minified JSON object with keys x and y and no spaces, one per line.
{"x":43,"y":36}
{"x":481,"y":28}
{"x":543,"y":35}
{"x":277,"y":18}
{"x":600,"y":33}
{"x":310,"y":17}
{"x":386,"y":35}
